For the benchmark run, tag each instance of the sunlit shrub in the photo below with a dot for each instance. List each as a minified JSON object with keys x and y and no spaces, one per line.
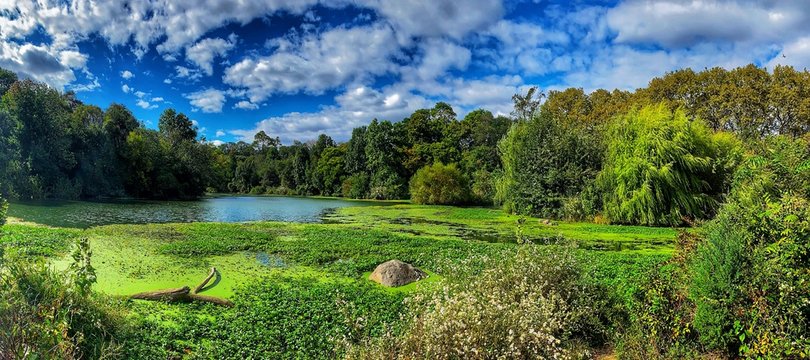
{"x":440,"y":184}
{"x":530,"y":305}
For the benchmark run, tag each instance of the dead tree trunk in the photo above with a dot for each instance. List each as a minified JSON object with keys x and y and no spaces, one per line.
{"x":183,"y":294}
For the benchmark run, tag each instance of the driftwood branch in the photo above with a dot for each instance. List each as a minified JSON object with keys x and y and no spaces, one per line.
{"x":183,"y":294}
{"x":205,"y":282}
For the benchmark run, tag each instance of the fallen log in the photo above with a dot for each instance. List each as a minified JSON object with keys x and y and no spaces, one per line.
{"x":210,"y":299}
{"x":183,"y":294}
{"x":168,"y":295}
{"x":207,"y":279}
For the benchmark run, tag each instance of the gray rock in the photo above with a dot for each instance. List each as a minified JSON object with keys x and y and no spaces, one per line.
{"x":395,"y":273}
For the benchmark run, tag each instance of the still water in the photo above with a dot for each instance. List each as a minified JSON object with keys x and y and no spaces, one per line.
{"x":83,"y":214}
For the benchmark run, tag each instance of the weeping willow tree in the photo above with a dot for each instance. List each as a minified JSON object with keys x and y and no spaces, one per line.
{"x":658,"y":168}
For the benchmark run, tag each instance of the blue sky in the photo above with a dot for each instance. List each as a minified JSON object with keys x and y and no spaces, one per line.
{"x":297,"y":68}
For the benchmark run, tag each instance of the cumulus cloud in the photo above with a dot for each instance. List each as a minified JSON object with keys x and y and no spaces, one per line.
{"x":686,"y":23}
{"x":524,"y":47}
{"x":316,"y":63}
{"x":795,"y":53}
{"x":219,"y":133}
{"x":41,"y":62}
{"x":126,"y":75}
{"x":145,"y":104}
{"x":183,"y":72}
{"x":126,"y":89}
{"x":437,"y":18}
{"x":354,"y":107}
{"x":208,"y":100}
{"x":245,"y":105}
{"x":205,"y":51}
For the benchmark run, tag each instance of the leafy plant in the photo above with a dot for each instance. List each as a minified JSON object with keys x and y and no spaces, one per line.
{"x":656,"y":167}
{"x":440,"y":184}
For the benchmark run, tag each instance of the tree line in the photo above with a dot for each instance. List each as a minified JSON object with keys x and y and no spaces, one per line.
{"x":660,"y":155}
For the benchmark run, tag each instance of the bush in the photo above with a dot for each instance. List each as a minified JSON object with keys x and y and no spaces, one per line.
{"x":533,"y":304}
{"x":750,"y":280}
{"x":741,"y":289}
{"x":48,"y":314}
{"x":656,"y":169}
{"x":356,"y":186}
{"x":440,"y":184}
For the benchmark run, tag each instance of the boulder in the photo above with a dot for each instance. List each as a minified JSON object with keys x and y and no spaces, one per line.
{"x":395,"y":273}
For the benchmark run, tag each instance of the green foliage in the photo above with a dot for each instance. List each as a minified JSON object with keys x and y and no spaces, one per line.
{"x":545,"y":160}
{"x":656,"y":169}
{"x":82,"y":271}
{"x":750,"y":280}
{"x":37,"y":240}
{"x":204,"y":240}
{"x":45,"y":315}
{"x":748,"y":100}
{"x":274,"y":318}
{"x":530,"y":304}
{"x":439,"y":184}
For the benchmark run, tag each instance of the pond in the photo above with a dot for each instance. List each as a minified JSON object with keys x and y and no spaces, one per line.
{"x":83,"y":214}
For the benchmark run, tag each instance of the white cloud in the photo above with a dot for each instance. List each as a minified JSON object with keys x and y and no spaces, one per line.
{"x":140,"y":94}
{"x":523,"y":47}
{"x":43,"y":63}
{"x":126,"y":89}
{"x":795,"y":53}
{"x":145,"y":104}
{"x":437,"y":18}
{"x":203,"y":52}
{"x":246,"y":105}
{"x":208,"y":100}
{"x":355,"y":107}
{"x":316,"y":63}
{"x":219,"y":133}
{"x":217,"y":142}
{"x":187,"y":73}
{"x":687,"y":23}
{"x":126,"y":75}
{"x":157,"y":99}
{"x":167,"y":81}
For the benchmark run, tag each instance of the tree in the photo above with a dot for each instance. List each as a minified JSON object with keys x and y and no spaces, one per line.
{"x":526,"y":105}
{"x":328,"y":174}
{"x":42,"y":115}
{"x":176,"y":127}
{"x":440,"y":184}
{"x":655,"y":169}
{"x":7,"y":78}
{"x":547,"y":160}
{"x":384,"y":161}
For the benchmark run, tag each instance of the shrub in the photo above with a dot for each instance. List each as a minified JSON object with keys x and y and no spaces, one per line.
{"x":661,"y":312}
{"x":656,"y":168}
{"x":483,"y":186}
{"x":533,"y":304}
{"x":356,"y":186}
{"x":48,"y":314}
{"x":750,"y":280}
{"x":440,"y":184}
